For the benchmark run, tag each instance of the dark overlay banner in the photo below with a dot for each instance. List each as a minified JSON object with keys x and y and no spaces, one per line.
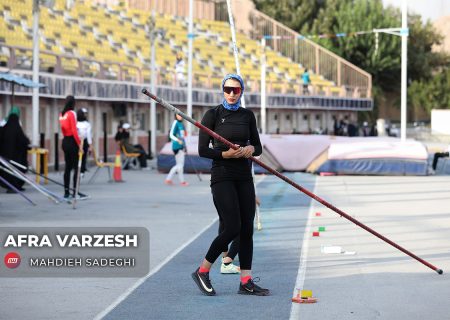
{"x":74,"y":252}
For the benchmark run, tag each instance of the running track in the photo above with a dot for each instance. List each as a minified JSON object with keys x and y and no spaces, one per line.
{"x":171,"y":294}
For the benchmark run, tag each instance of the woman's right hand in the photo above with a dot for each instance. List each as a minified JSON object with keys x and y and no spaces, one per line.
{"x":232,"y":154}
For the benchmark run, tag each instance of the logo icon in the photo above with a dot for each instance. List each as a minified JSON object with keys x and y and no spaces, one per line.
{"x":223,"y":120}
{"x":12,"y":260}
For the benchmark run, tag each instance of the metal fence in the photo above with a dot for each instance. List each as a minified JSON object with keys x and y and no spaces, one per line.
{"x":309,"y":54}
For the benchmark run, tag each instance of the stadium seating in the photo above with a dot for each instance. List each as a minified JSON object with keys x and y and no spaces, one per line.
{"x":120,"y":36}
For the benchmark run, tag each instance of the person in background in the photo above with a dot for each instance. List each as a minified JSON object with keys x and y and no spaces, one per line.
{"x":343,"y":128}
{"x":306,"y":81}
{"x":177,"y":134}
{"x":119,"y":133}
{"x":335,"y":126}
{"x":123,"y":138}
{"x":14,"y":145}
{"x":14,"y":110}
{"x":85,"y":133}
{"x":352,"y":130}
{"x":71,"y":145}
{"x":365,"y":129}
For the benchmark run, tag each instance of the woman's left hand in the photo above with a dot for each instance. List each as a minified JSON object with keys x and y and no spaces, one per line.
{"x":247,"y":151}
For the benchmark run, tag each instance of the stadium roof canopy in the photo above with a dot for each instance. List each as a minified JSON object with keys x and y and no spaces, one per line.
{"x":15,"y":79}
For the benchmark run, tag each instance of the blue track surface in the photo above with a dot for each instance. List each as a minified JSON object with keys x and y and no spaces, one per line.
{"x":172,"y":294}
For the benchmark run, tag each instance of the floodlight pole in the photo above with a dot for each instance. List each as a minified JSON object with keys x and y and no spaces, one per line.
{"x":263,"y":85}
{"x":190,"y":49}
{"x":235,"y":49}
{"x":402,"y":32}
{"x":153,"y":37}
{"x":404,"y":35}
{"x":35,"y":97}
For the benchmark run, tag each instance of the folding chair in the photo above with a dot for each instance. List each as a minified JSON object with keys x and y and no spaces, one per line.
{"x":100,"y":164}
{"x":129,"y":158}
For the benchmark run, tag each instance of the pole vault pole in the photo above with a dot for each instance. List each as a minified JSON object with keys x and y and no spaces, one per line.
{"x":77,"y":186}
{"x":286,"y":179}
{"x":233,"y":39}
{"x":7,"y":167}
{"x":41,"y":175}
{"x":16,"y":190}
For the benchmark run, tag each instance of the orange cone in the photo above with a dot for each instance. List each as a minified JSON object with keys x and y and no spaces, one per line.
{"x":118,"y":168}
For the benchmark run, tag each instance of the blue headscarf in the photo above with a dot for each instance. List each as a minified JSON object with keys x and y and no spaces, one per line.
{"x":235,"y":106}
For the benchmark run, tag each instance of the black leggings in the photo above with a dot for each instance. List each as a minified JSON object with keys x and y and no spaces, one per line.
{"x":235,"y":203}
{"x":85,"y":153}
{"x":70,"y":148}
{"x":234,"y":247}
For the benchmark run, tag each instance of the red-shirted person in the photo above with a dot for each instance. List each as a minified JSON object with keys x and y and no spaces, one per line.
{"x":70,"y":144}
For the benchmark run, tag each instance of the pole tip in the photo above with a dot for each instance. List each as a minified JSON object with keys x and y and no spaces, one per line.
{"x":439,"y":271}
{"x":144,"y":91}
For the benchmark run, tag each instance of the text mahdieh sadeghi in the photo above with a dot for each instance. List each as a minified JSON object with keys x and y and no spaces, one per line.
{"x":72,"y":241}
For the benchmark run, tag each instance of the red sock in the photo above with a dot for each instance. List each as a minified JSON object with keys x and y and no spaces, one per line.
{"x":203,"y":270}
{"x":245,"y":279}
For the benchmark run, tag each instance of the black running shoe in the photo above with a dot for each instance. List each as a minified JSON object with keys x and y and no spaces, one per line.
{"x":203,"y":282}
{"x":250,"y":288}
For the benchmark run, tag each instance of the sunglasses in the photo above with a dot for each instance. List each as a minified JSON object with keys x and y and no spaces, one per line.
{"x":236,"y":90}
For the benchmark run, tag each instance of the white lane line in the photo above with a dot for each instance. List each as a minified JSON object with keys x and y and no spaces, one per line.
{"x":295,"y":309}
{"x":124,"y":295}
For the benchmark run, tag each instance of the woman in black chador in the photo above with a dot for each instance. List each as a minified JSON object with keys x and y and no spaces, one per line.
{"x":13,"y":146}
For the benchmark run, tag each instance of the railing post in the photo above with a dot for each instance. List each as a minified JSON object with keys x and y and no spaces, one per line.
{"x":317,"y":61}
{"x":339,"y":66}
{"x":296,"y":50}
{"x":275,"y":43}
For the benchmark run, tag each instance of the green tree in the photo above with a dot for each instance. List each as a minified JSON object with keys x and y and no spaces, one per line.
{"x":350,"y":16}
{"x":423,"y":62}
{"x":296,"y":14}
{"x":384,"y":62}
{"x":431,"y":94}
